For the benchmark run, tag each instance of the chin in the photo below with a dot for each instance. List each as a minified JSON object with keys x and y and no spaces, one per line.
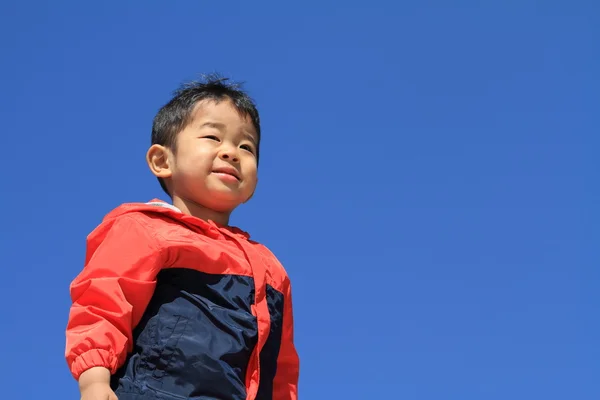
{"x":221,"y":202}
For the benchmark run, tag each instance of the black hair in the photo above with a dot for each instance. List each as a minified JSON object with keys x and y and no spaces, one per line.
{"x":174,"y":116}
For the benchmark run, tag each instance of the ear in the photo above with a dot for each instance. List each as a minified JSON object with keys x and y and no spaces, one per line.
{"x":159,"y":161}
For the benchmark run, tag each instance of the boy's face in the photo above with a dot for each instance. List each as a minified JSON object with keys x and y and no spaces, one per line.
{"x":214,"y":163}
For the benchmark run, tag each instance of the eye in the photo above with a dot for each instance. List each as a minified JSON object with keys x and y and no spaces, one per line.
{"x":211,"y":137}
{"x":247,"y":147}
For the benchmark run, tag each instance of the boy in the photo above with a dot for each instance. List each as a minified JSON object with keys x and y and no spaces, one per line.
{"x":172,"y":302}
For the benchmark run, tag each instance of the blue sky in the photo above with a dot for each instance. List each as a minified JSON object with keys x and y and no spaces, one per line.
{"x":428,"y":178}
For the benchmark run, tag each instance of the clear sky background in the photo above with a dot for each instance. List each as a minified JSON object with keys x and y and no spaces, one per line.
{"x":429,"y":178}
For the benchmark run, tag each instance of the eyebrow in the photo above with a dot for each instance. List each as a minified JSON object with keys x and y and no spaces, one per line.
{"x":251,"y":137}
{"x":218,"y":125}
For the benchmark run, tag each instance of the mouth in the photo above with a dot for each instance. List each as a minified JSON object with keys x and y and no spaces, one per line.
{"x":228,"y":171}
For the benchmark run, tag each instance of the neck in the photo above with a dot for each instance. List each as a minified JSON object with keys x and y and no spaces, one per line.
{"x":191,"y":208}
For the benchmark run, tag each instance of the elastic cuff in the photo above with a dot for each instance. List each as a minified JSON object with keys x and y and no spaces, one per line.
{"x":93,"y":358}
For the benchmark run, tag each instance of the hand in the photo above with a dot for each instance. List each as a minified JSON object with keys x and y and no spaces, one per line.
{"x":98,"y":391}
{"x":94,"y":384}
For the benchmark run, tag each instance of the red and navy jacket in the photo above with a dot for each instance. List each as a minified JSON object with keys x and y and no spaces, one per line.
{"x":180,"y":308}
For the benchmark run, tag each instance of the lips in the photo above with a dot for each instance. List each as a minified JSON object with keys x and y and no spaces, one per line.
{"x":229,"y":171}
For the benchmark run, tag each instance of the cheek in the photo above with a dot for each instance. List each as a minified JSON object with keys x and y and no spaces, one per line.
{"x":196,"y":161}
{"x":251,"y":173}
{"x":251,"y":183}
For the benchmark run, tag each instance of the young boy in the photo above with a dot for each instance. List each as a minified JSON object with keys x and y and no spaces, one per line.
{"x":173,"y":303}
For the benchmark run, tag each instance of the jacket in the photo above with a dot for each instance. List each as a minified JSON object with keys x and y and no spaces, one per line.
{"x":180,"y":308}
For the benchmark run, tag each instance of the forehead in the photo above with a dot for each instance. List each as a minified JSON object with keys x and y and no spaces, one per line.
{"x":222,"y":111}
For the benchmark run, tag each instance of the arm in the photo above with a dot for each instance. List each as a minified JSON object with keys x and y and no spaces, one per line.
{"x":110,"y":294}
{"x":285,"y":384}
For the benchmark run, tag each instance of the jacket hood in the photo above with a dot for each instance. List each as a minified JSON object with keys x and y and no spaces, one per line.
{"x":170,"y":211}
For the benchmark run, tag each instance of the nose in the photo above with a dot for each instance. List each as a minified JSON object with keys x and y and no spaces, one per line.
{"x":229,"y":153}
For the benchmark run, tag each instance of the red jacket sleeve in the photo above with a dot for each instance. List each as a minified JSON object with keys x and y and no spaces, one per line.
{"x":285,"y":384}
{"x":111,"y":293}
